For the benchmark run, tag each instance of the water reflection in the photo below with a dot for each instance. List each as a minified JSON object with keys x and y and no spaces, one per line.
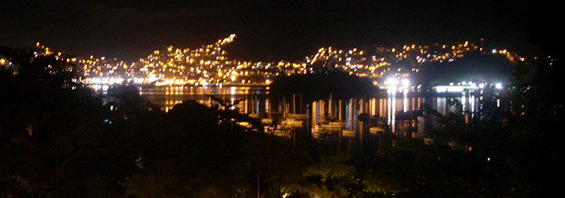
{"x":167,"y":97}
{"x":401,"y":111}
{"x":398,"y":109}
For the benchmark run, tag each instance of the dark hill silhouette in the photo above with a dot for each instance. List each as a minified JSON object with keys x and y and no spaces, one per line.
{"x":320,"y":85}
{"x":474,"y":66}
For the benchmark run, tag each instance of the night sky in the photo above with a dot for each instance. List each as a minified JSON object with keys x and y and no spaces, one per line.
{"x":267,"y":30}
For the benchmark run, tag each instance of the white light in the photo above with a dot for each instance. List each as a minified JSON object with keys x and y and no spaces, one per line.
{"x":392,"y":81}
{"x":232,"y":90}
{"x":152,"y":78}
{"x":405,"y":82}
{"x":498,"y":85}
{"x":449,"y":89}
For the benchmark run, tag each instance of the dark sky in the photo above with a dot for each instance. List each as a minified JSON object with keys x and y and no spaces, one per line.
{"x":267,"y":30}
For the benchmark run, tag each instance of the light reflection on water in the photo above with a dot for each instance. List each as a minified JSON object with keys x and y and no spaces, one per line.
{"x":257,"y":102}
{"x":168,"y":97}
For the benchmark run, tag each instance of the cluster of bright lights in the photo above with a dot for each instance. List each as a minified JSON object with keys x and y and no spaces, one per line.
{"x":377,"y":63}
{"x":512,"y":57}
{"x":206,"y":66}
{"x":393,"y":84}
{"x":209,"y":65}
{"x":463,"y":86}
{"x":112,"y":80}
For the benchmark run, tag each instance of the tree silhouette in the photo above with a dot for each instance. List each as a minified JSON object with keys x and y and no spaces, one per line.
{"x":229,"y":115}
{"x":47,"y":138}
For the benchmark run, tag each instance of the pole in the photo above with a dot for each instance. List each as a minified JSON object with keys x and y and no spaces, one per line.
{"x":293,"y":103}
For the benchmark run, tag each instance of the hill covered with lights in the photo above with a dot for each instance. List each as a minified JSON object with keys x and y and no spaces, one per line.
{"x":211,"y":65}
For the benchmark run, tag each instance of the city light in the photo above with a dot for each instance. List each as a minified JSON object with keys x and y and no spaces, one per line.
{"x":405,"y":82}
{"x":392,"y":82}
{"x":498,"y":85}
{"x":209,"y":65}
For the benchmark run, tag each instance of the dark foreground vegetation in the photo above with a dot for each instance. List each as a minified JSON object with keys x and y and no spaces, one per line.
{"x":59,"y":139}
